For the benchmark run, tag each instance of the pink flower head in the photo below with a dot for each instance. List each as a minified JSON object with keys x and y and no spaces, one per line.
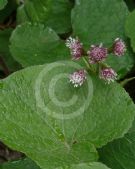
{"x":76,"y":48}
{"x":78,"y":78}
{"x":97,"y":53}
{"x":108,"y":74}
{"x":119,"y":47}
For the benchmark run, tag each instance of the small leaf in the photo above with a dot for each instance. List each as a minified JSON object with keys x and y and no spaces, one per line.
{"x":95,"y":22}
{"x":33,"y":44}
{"x":51,"y":13}
{"x":120,"y":154}
{"x":21,"y":15}
{"x":21,"y":164}
{"x":130,"y":28}
{"x":3,"y":3}
{"x":56,"y":124}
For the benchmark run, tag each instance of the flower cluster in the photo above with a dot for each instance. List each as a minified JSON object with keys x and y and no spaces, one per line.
{"x":97,"y":54}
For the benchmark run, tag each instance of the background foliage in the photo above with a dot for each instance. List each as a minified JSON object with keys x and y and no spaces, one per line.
{"x":33,"y":33}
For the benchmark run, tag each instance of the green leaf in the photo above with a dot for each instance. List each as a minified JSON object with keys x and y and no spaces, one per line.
{"x":94,"y":165}
{"x":29,"y":164}
{"x":55,"y":124}
{"x":33,"y":44}
{"x":4,"y":50}
{"x":52,"y":13}
{"x":95,"y":22}
{"x":120,"y":154}
{"x":130,"y":28}
{"x":21,"y":15}
{"x":21,"y":164}
{"x":3,"y":3}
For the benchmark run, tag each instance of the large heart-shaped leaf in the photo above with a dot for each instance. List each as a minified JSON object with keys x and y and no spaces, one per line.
{"x":52,"y":13}
{"x":95,"y":22}
{"x":33,"y":44}
{"x":130,"y":28}
{"x":120,"y":154}
{"x":55,"y":124}
{"x":3,"y":3}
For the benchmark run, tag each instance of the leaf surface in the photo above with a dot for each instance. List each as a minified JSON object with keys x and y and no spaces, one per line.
{"x":120,"y":154}
{"x":56,"y":124}
{"x":52,"y":13}
{"x":29,"y":164}
{"x":130,"y":28}
{"x":94,"y":165}
{"x":33,"y":44}
{"x":21,"y":164}
{"x":97,"y":22}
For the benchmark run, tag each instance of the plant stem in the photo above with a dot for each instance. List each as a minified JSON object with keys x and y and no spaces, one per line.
{"x":124,"y":82}
{"x":103,"y":64}
{"x":88,"y":65}
{"x":84,"y":59}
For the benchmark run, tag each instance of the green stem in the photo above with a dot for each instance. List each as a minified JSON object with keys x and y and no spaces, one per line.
{"x":86,"y":62}
{"x":103,"y":64}
{"x":88,"y":65}
{"x":124,"y":82}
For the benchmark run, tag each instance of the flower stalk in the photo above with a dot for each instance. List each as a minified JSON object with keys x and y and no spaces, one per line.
{"x":124,"y":82}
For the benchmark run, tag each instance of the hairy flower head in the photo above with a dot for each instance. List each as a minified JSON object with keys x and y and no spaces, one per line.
{"x":76,"y":47}
{"x":78,"y":78}
{"x":119,"y":47}
{"x":97,"y":53}
{"x":108,"y":74}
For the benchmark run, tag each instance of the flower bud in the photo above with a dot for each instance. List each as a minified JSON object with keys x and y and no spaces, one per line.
{"x":78,"y":78}
{"x":97,"y":53}
{"x":108,"y":74}
{"x":119,"y":47}
{"x":76,"y":48}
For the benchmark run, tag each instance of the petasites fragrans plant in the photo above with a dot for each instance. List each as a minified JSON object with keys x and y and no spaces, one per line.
{"x":66,"y":104}
{"x":96,"y":54}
